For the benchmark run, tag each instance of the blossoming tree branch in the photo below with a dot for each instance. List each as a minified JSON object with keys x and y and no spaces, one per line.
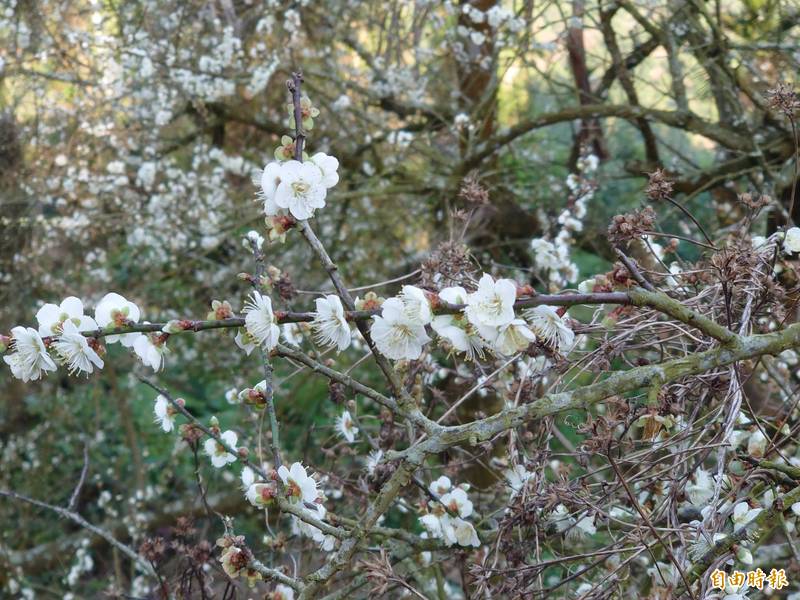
{"x":700,"y":339}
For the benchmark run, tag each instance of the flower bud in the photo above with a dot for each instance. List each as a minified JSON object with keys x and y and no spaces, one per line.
{"x":243,"y":452}
{"x":214,"y":422}
{"x":173,"y":326}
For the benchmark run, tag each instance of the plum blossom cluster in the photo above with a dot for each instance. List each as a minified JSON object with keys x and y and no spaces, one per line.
{"x":68,"y":337}
{"x":297,"y":486}
{"x":487,"y":322}
{"x":446,"y":518}
{"x":552,"y":257}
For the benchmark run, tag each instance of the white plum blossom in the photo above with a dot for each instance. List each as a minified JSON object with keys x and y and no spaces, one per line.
{"x":458,"y":531}
{"x":330,"y":325}
{"x":560,"y":518}
{"x":757,"y":444}
{"x":259,"y":320}
{"x":114,"y":311}
{"x":151,"y":350}
{"x":51,"y":317}
{"x":282,"y":592}
{"x":373,"y":458}
{"x":300,"y":486}
{"x":329,"y":166}
{"x":253,"y":238}
{"x":450,"y":526}
{"x":701,"y":489}
{"x":791,"y":243}
{"x":165,"y":413}
{"x":549,"y":327}
{"x":509,"y":338}
{"x":457,"y":502}
{"x":517,"y":478}
{"x":30,"y":357}
{"x":74,"y":350}
{"x":415,"y":304}
{"x":218,"y":453}
{"x":301,"y":189}
{"x":455,"y":328}
{"x":325,"y":542}
{"x":396,"y":335}
{"x":492,"y":304}
{"x":441,"y":486}
{"x":432,"y":523}
{"x":743,"y":514}
{"x":346,"y":427}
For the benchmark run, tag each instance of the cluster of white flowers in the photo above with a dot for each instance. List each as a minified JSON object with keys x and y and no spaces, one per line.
{"x":446,"y":519}
{"x":552,"y":258}
{"x":65,"y":329}
{"x":487,"y":321}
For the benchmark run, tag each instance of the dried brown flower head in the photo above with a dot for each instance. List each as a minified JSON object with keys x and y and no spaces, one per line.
{"x":447,"y":266}
{"x":754,"y":201}
{"x":783,"y":98}
{"x":659,"y":187}
{"x":472,"y":192}
{"x":629,"y":226}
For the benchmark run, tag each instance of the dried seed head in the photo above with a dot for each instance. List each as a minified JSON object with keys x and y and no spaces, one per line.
{"x":630,"y":226}
{"x":659,"y":187}
{"x":783,"y":98}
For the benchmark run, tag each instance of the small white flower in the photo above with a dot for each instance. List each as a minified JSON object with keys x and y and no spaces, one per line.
{"x":791,"y":243}
{"x":517,"y":478}
{"x":743,"y":514}
{"x":329,"y":166}
{"x":30,"y":357}
{"x":282,"y":592}
{"x":51,"y":317}
{"x":260,"y":320}
{"x":432,"y":524}
{"x":373,"y":458}
{"x":560,"y":518}
{"x":396,"y":336}
{"x":73,"y":348}
{"x":416,"y":304}
{"x":330,"y":324}
{"x":550,"y":328}
{"x":756,"y":444}
{"x":151,"y":351}
{"x":509,"y":338}
{"x":301,"y":189}
{"x":300,"y":486}
{"x":114,"y":311}
{"x":457,"y":502}
{"x":346,"y":426}
{"x":165,"y":413}
{"x":253,"y":238}
{"x":218,"y":453}
{"x":232,"y":396}
{"x":455,"y":328}
{"x":458,"y":531}
{"x":492,"y":304}
{"x":586,"y":526}
{"x":441,"y":486}
{"x":701,"y":490}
